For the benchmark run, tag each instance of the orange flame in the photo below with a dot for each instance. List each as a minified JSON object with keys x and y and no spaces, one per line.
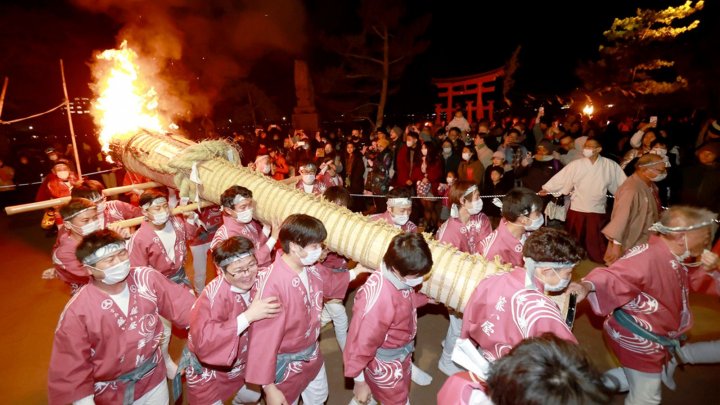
{"x":124,"y":103}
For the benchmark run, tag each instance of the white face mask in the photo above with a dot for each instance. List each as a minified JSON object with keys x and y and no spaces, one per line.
{"x":466,"y":156}
{"x":244,"y":217}
{"x":681,"y":258}
{"x":659,"y":152}
{"x":476,"y":207}
{"x":409,"y":143}
{"x":63,"y":175}
{"x":308,"y":179}
{"x":160,"y":219}
{"x":447,"y":151}
{"x":413,"y":282}
{"x":311,"y":257}
{"x":588,"y":152}
{"x":86,"y":229}
{"x":266,"y":169}
{"x":400,"y":219}
{"x":659,"y":177}
{"x":450,"y":181}
{"x":116,"y":273}
{"x":536,"y":224}
{"x":424,"y":152}
{"x":564,"y":282}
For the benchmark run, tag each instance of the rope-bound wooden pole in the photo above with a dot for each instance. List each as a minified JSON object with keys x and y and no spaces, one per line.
{"x":208,"y":169}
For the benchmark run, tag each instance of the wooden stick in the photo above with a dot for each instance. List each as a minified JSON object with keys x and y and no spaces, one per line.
{"x":2,"y":94}
{"x":41,"y":205}
{"x":177,"y":210}
{"x":72,"y":130}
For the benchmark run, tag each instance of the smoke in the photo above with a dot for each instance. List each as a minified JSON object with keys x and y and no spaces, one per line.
{"x":190,"y":50}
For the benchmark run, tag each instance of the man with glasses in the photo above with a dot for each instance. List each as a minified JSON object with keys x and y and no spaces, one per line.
{"x":106,"y":345}
{"x":219,"y":322}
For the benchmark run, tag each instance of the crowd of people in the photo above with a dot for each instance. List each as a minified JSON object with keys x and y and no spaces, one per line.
{"x":253,"y":330}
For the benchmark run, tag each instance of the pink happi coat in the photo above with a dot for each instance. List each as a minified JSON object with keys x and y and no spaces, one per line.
{"x":465,"y":237}
{"x":503,"y":310}
{"x":459,"y":387}
{"x":211,"y":217}
{"x":95,"y":342}
{"x":319,"y":186}
{"x":214,"y":339}
{"x":330,"y":181}
{"x":651,"y":285}
{"x":146,"y":248}
{"x":116,"y":211}
{"x":383,"y":316}
{"x":252,"y":230}
{"x":504,"y":245}
{"x":387,"y":217}
{"x":296,"y":328}
{"x":67,"y":267}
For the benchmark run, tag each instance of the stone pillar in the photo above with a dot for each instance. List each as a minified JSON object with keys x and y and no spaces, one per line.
{"x":304,"y":115}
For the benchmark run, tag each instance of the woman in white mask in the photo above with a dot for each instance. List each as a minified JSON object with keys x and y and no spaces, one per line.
{"x":399,"y":208}
{"x":308,"y":180}
{"x":465,"y":229}
{"x":380,"y":343}
{"x":80,"y":218}
{"x":470,"y":168}
{"x":521,"y":214}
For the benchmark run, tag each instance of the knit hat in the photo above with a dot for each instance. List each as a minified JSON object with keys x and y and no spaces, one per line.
{"x":498,"y":154}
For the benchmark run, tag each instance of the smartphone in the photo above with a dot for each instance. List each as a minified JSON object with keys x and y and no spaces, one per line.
{"x":572,"y":305}
{"x":301,"y":143}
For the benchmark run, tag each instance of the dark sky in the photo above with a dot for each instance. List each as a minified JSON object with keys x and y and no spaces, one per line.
{"x":466,"y":37}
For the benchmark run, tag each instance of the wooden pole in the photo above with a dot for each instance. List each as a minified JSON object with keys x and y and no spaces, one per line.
{"x":72,"y":130}
{"x":2,"y":95}
{"x":41,"y":205}
{"x":177,"y":210}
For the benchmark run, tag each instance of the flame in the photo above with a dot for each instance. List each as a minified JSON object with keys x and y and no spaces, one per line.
{"x":588,"y":110}
{"x":124,"y":103}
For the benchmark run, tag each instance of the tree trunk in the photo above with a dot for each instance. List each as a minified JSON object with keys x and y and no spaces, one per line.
{"x":385,"y":78}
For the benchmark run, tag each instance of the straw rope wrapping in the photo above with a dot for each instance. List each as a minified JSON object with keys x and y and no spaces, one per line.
{"x":169,"y":160}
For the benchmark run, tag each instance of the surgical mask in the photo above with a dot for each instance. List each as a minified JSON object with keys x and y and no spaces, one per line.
{"x":536,"y":223}
{"x":588,"y":152}
{"x":466,"y":156}
{"x":681,"y":258}
{"x":450,"y":181}
{"x":561,"y":285}
{"x":659,"y":177}
{"x":424,"y":152}
{"x":116,"y":273}
{"x":476,"y":207}
{"x":312,"y":257}
{"x":244,"y":217}
{"x":400,"y":219}
{"x":88,"y":228}
{"x":63,"y":175}
{"x":413,"y":282}
{"x":659,"y":152}
{"x":160,"y":219}
{"x":447,"y":151}
{"x":410,"y":143}
{"x":266,"y":169}
{"x":308,"y":179}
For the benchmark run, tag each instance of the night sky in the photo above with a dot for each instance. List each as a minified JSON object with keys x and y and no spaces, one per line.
{"x":259,"y":39}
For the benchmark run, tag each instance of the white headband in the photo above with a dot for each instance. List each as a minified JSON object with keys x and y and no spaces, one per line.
{"x":469,"y":191}
{"x":531,"y":264}
{"x":663,"y":229}
{"x":238,"y":199}
{"x":104,"y":252}
{"x":71,"y":216}
{"x":154,"y":203}
{"x":233,"y":259}
{"x":399,"y":202}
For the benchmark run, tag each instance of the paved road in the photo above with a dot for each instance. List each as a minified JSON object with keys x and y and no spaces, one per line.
{"x":31,"y":307}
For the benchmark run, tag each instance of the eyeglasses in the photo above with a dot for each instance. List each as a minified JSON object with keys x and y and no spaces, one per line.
{"x":242,"y":272}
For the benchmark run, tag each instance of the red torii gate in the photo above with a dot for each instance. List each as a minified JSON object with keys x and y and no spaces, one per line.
{"x":468,"y":86}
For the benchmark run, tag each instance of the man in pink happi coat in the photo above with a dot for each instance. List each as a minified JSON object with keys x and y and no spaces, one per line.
{"x":309,"y":182}
{"x":79,"y":219}
{"x":108,"y":211}
{"x":645,"y":296}
{"x":465,"y":229}
{"x":508,"y":307}
{"x":522,"y":213}
{"x":283,"y":351}
{"x":219,"y":321}
{"x":238,"y":207}
{"x":378,"y":354}
{"x":399,"y":207}
{"x":106,"y":345}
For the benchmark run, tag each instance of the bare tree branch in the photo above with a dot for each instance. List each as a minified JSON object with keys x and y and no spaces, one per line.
{"x":363,"y":57}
